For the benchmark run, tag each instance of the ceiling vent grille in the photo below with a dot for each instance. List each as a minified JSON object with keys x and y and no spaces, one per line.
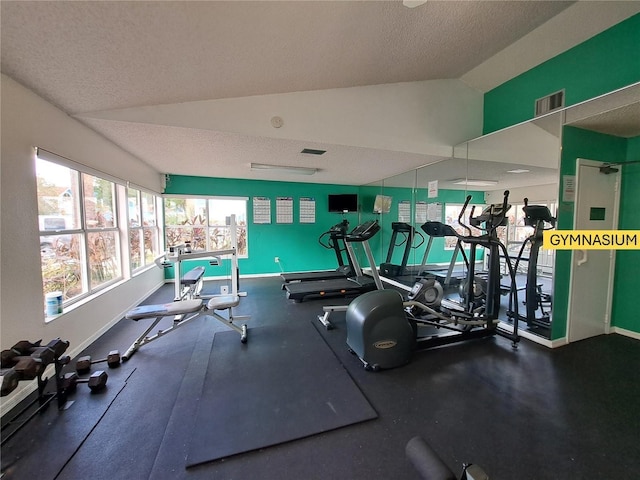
{"x":313,"y":151}
{"x":549,"y":103}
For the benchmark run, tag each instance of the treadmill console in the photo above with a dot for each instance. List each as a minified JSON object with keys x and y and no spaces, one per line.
{"x":438,"y":229}
{"x":490,"y":214}
{"x":536,"y":213}
{"x":340,"y":227}
{"x":401,"y":227}
{"x":364,"y":231}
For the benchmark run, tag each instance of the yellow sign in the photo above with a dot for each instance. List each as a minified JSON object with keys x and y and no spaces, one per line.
{"x":591,"y":239}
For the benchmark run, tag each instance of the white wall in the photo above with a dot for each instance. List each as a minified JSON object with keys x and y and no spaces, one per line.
{"x":28,"y":121}
{"x":426,"y":117}
{"x":535,"y":194}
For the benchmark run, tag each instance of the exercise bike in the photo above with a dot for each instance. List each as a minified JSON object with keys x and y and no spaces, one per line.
{"x":383,"y":328}
{"x":539,"y":217}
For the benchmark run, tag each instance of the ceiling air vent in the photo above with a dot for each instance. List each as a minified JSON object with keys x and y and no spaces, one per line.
{"x":549,"y":103}
{"x":312,"y":151}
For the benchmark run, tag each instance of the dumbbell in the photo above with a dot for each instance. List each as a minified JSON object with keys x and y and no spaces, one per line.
{"x":28,"y":368}
{"x":10,"y":379}
{"x":20,"y":348}
{"x":48,"y":354}
{"x":54,"y":349}
{"x":96,"y":382}
{"x":83,"y":364}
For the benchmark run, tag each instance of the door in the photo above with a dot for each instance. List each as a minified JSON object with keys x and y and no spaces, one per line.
{"x":596,"y":208}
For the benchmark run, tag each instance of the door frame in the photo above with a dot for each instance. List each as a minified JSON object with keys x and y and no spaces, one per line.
{"x":612,"y":255}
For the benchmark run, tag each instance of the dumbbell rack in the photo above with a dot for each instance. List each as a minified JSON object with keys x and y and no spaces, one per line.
{"x":43,"y":399}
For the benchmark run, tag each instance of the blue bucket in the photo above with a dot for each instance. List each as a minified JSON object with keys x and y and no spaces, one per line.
{"x":53,"y":302}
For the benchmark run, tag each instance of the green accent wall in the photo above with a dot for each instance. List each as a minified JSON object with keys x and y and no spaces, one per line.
{"x":602,"y":64}
{"x":296,"y":244}
{"x":625,"y":302}
{"x":605,"y":62}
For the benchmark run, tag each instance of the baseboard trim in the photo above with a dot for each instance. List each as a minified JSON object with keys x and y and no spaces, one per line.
{"x":626,"y":333}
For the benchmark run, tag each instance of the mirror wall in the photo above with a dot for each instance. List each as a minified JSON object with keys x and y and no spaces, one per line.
{"x":523,"y":159}
{"x":604,"y":129}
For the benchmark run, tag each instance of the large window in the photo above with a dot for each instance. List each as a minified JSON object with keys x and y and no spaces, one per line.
{"x":82,"y":230}
{"x":204,"y":222}
{"x":101,"y":228}
{"x":143,"y":227}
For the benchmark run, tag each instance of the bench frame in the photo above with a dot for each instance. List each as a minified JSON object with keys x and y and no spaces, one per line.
{"x":188,"y":303}
{"x":192,"y":309}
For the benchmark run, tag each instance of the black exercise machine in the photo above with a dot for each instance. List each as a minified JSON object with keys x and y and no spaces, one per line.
{"x":383,"y":330}
{"x":332,"y":239}
{"x":536,"y":216}
{"x":407,"y":236}
{"x":354,"y":285}
{"x":431,"y":467}
{"x":453,"y":275}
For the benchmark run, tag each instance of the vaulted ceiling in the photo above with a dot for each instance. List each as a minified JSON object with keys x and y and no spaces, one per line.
{"x":193,"y":87}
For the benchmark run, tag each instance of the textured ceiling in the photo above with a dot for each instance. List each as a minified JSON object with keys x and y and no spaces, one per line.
{"x":93,"y":56}
{"x":86,"y":56}
{"x":621,"y":122}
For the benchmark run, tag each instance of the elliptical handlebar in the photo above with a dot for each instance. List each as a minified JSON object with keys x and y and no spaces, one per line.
{"x":505,"y":208}
{"x":461,"y":216}
{"x":505,"y":204}
{"x":439,"y":229}
{"x":493,"y":216}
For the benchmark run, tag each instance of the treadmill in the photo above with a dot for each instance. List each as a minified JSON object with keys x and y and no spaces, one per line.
{"x":354,"y":285}
{"x":336,"y":234}
{"x":411,"y":239}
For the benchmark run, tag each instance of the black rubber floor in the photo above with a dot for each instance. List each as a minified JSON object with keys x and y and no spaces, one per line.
{"x":533,"y":413}
{"x":277,"y":389}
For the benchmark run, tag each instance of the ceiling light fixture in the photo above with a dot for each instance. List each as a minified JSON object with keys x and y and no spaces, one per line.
{"x":313,"y":151}
{"x":413,"y":3}
{"x":474,"y":183}
{"x":284,"y":169}
{"x":519,"y":170}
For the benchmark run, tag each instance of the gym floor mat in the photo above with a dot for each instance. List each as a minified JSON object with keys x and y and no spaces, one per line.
{"x":25,"y":455}
{"x":282,"y":385}
{"x":173,"y":449}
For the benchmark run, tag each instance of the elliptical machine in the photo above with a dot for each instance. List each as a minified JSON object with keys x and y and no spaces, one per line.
{"x":383,"y":330}
{"x":536,"y":216}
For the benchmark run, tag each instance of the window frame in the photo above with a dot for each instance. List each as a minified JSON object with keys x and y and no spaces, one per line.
{"x":546,"y":257}
{"x":157,"y":240}
{"x":241,"y":224}
{"x":82,"y":232}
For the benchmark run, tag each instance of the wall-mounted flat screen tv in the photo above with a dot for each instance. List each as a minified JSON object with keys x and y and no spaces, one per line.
{"x":382,"y":204}
{"x":343,"y":203}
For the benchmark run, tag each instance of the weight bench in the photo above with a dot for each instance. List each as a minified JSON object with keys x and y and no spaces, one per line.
{"x":191,"y":283}
{"x":183,"y":312}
